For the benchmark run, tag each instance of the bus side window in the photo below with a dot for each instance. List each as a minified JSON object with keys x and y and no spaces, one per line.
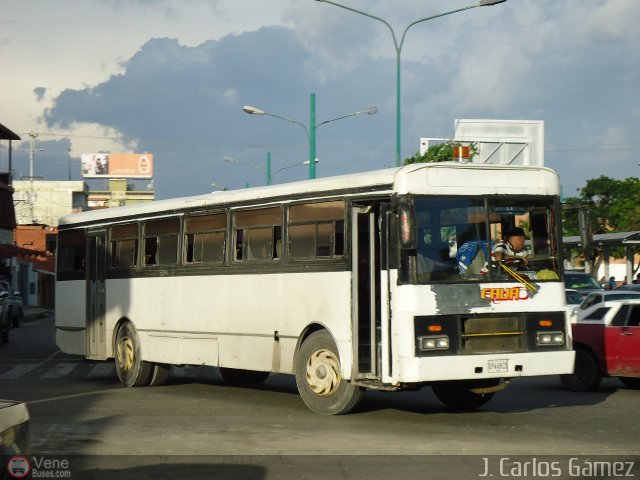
{"x":257,"y":234}
{"x":71,"y":254}
{"x":204,"y":238}
{"x":161,"y":241}
{"x":124,"y":246}
{"x":316,"y":230}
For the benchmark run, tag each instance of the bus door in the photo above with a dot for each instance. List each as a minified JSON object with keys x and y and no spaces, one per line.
{"x":365,"y":292}
{"x":96,"y":295}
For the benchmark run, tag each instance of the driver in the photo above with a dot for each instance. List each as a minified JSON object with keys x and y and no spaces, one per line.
{"x":511,"y":247}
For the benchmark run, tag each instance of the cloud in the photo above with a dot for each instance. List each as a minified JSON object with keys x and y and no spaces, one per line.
{"x":560,"y":62}
{"x":39,"y":93}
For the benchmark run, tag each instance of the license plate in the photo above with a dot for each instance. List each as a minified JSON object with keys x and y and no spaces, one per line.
{"x":498,"y":366}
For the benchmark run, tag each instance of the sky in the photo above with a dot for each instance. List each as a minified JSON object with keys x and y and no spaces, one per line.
{"x":170,"y":77}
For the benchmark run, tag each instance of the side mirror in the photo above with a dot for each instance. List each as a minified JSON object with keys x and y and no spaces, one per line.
{"x":4,"y":294}
{"x":407,"y":227}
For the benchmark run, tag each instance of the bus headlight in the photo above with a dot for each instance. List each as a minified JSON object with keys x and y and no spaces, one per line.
{"x":549,"y":338}
{"x":434,"y":342}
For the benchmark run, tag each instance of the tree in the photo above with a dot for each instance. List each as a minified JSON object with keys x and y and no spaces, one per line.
{"x":614,"y":206}
{"x":442,"y":152}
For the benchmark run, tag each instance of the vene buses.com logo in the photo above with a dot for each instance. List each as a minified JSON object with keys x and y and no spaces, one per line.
{"x":18,"y":467}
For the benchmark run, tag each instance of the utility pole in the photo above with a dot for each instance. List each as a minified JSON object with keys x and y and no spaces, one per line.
{"x":32,"y":151}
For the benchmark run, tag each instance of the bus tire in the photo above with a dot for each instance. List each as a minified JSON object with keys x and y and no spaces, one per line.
{"x":159,"y":374}
{"x":319,"y":378}
{"x":586,"y":375}
{"x":457,"y":394}
{"x":631,"y":382}
{"x":237,"y":376}
{"x":131,"y":369}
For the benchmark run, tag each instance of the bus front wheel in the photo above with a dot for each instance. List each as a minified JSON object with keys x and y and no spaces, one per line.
{"x":132,"y":370}
{"x":319,"y":377}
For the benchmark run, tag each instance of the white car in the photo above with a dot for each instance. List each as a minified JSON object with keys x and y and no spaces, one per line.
{"x":591,"y":306}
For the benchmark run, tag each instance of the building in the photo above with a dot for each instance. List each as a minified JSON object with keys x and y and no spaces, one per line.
{"x":36,"y":269}
{"x":44,"y":202}
{"x":121,"y":192}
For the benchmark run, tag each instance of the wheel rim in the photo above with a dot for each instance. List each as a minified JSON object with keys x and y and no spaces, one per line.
{"x":125,"y":354}
{"x":323,"y":372}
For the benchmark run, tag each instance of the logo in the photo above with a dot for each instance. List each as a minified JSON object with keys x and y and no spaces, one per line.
{"x":497,"y":294}
{"x":18,"y":467}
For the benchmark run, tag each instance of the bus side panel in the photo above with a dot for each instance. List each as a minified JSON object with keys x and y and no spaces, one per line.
{"x":71,"y":316}
{"x":249,"y":321}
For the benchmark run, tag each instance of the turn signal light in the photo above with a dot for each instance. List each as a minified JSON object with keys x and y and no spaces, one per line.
{"x":545,"y":323}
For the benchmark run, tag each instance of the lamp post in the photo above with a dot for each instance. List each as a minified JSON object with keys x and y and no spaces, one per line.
{"x":398,"y":47}
{"x":268,"y":170}
{"x":311,"y":131}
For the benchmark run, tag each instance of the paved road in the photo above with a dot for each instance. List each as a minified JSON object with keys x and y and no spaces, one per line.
{"x":78,"y":408}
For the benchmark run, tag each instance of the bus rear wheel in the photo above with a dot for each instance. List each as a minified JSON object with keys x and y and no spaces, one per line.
{"x":131,"y":369}
{"x":319,"y":377}
{"x":457,"y":394}
{"x":236,"y":376}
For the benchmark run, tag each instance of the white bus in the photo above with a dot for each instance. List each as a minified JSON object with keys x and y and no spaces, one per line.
{"x":349,"y":283}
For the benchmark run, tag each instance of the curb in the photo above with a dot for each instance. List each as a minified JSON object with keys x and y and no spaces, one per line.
{"x":37,"y":315}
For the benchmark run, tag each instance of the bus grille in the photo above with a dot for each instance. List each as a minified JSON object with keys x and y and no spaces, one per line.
{"x":493,"y":334}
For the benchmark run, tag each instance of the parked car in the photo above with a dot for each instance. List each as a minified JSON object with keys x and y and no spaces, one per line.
{"x":13,"y":300}
{"x":14,"y":428}
{"x":581,"y":281}
{"x":594,"y":300}
{"x":607,"y":343}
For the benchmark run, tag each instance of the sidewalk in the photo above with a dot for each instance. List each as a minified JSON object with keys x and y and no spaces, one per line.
{"x":35,"y":313}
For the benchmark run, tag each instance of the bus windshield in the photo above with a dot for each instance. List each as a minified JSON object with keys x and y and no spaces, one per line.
{"x":485,"y":239}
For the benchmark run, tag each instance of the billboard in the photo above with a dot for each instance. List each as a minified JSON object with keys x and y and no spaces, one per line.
{"x":117,"y":165}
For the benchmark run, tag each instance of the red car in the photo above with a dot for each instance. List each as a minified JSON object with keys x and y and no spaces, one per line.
{"x":607,"y":343}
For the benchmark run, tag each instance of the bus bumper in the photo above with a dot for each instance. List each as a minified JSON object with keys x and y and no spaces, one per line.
{"x":497,"y":365}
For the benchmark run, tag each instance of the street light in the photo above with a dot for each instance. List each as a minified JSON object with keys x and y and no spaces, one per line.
{"x":311,"y":131}
{"x":268,"y":169}
{"x":219,"y":187}
{"x":398,"y":46}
